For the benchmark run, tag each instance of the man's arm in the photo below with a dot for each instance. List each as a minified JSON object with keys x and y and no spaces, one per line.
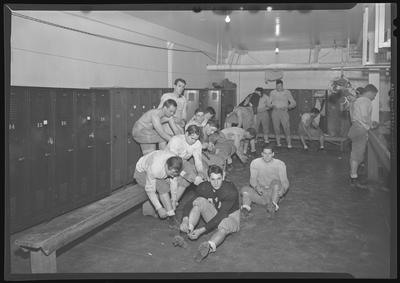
{"x":162,"y":100}
{"x":198,"y":160}
{"x":292,"y":102}
{"x":184,"y":113}
{"x":158,"y":127}
{"x":253,"y":175}
{"x":283,"y":176}
{"x":150,"y":189}
{"x":240,"y":118}
{"x":173,"y":126}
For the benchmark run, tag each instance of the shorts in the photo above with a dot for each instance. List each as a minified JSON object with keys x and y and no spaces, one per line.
{"x":359,"y":138}
{"x":230,"y":224}
{"x":162,"y":185}
{"x":146,"y":136}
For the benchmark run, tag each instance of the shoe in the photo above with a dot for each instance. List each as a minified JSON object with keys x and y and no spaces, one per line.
{"x":245,"y":213}
{"x":173,"y":222}
{"x":289,"y":146}
{"x":202,"y":252}
{"x":179,"y":241}
{"x":306,"y":148}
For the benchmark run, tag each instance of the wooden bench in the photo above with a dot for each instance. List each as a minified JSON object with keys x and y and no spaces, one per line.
{"x":340,"y":141}
{"x":43,"y":240}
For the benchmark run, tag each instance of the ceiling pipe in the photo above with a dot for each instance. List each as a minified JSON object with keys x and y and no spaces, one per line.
{"x":293,"y":67}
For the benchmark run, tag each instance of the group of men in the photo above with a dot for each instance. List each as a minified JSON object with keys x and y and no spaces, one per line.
{"x":195,"y":151}
{"x":178,"y":151}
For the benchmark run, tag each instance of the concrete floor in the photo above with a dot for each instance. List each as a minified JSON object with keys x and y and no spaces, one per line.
{"x":323,"y":225}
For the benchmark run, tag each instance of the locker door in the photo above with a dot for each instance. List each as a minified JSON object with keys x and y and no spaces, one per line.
{"x":134,"y":112}
{"x":42,"y":193}
{"x":102,"y":143}
{"x":119,"y":135}
{"x":228,"y":97}
{"x":84,"y":162}
{"x":213,"y":99}
{"x":155,"y":97}
{"x":64,"y":148}
{"x":18,"y":159}
{"x":192,"y":97}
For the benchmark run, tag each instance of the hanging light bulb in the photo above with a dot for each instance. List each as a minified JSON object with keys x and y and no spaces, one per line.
{"x":277,"y":29}
{"x":276,"y":50}
{"x":269,"y":8}
{"x":227,"y":19}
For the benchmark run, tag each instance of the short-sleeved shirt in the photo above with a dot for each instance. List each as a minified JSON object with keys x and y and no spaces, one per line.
{"x":263,"y":173}
{"x":282,"y":99}
{"x":263,"y":104}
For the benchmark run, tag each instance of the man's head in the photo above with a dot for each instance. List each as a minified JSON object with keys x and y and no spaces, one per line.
{"x":169,"y":107}
{"x":215,"y":176}
{"x":211,"y":127}
{"x":192,"y":134}
{"x":209,"y":113}
{"x":267,"y":153}
{"x":173,"y":166}
{"x":179,"y":86}
{"x":279,"y":85}
{"x":369,"y":91}
{"x":314,"y":112}
{"x":251,"y":133}
{"x":359,"y":90}
{"x":199,"y":115}
{"x":259,"y":91}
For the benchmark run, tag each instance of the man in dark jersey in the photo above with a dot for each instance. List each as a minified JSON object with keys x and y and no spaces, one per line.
{"x":217,"y":202}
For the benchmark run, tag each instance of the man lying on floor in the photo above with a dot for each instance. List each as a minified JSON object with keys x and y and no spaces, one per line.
{"x":157,"y":172}
{"x":268,"y":182}
{"x":217,"y":202}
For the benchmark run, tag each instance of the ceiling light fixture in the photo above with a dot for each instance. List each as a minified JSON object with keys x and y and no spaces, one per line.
{"x":276,"y":50}
{"x":277,"y":29}
{"x":227,"y":19}
{"x":269,"y":8}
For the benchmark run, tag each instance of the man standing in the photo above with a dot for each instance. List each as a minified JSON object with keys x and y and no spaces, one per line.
{"x":268,"y":182}
{"x":148,"y":130}
{"x":262,"y":115}
{"x":360,"y":113}
{"x":157,"y":172}
{"x":217,"y":202}
{"x":281,"y":100}
{"x":180,"y":116}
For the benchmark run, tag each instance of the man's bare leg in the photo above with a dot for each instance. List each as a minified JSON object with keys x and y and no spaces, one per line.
{"x":167,"y":204}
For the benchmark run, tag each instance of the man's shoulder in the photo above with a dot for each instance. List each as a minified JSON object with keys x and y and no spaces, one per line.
{"x":255,"y":161}
{"x":279,"y":162}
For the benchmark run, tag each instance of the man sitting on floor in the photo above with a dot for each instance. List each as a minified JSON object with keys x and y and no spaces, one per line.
{"x":148,"y":130}
{"x":157,"y":172}
{"x":217,"y":202}
{"x":268,"y":182}
{"x":187,"y":146}
{"x":309,"y":125}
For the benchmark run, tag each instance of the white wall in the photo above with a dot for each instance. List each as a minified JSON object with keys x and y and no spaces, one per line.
{"x":43,"y":55}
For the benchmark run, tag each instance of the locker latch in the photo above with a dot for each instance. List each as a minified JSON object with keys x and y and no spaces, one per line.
{"x":91,"y":135}
{"x":63,"y":123}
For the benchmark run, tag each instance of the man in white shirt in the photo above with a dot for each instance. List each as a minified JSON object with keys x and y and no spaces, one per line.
{"x":187,"y":146}
{"x":268,"y":182}
{"x":157,"y":172}
{"x":281,"y":100}
{"x":180,"y":116}
{"x":360,"y":114}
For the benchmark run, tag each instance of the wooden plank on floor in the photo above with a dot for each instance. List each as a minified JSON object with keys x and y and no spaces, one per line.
{"x":70,"y":226}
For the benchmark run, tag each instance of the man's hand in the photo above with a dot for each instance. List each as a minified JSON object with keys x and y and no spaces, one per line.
{"x":198,"y":180}
{"x":196,"y":233}
{"x":162,"y":212}
{"x":185,"y":225}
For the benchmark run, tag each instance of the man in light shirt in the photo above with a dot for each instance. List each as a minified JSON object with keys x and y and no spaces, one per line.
{"x":360,"y":114}
{"x":281,"y":100}
{"x":180,"y":116}
{"x":187,"y":146}
{"x":201,"y":117}
{"x":268,"y":182}
{"x":157,"y":172}
{"x":148,"y":130}
{"x":262,"y":115}
{"x":240,"y":138}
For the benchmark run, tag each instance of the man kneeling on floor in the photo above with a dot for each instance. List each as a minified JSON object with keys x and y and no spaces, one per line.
{"x":217,"y":202}
{"x":268,"y":182}
{"x":157,"y":171}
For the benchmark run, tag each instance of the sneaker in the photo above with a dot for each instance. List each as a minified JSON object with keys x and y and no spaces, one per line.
{"x":202,"y":252}
{"x":179,"y":241}
{"x":173,"y":222}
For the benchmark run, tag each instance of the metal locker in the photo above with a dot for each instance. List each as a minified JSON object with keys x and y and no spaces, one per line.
{"x":18,"y":159}
{"x":155,"y":97}
{"x":102,"y":143}
{"x":64,"y":149}
{"x":294,"y":114}
{"x":228,"y":97}
{"x":212,"y":97}
{"x":84,"y":162}
{"x":119,"y":135}
{"x":134,"y":112}
{"x":42,"y":193}
{"x":192,"y":96}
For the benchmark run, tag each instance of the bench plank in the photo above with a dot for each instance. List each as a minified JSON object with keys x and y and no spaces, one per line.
{"x":65,"y":228}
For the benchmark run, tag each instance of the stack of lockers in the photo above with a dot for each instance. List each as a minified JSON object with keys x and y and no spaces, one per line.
{"x":59,"y":151}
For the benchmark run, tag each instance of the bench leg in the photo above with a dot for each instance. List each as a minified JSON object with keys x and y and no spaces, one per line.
{"x":42,"y":263}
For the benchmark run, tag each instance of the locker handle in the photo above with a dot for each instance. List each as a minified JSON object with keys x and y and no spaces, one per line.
{"x":21,"y":158}
{"x":107,"y":142}
{"x":90,"y":146}
{"x":70,"y":149}
{"x":47,"y":154}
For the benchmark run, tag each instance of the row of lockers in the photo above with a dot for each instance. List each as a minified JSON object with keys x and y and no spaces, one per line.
{"x":128,"y":105}
{"x":59,"y":151}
